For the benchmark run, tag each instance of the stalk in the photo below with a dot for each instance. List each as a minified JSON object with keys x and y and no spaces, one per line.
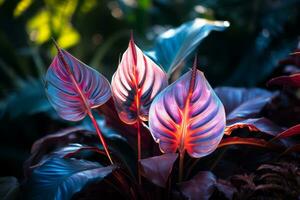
{"x":181,"y":159}
{"x":139,"y":149}
{"x":100,"y":136}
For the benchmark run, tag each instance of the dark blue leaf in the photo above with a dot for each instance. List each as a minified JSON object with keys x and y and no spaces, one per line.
{"x":9,"y":188}
{"x":61,"y":178}
{"x":173,"y":46}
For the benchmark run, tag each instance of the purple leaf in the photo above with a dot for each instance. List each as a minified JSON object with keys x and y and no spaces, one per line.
{"x":241,"y":102}
{"x":253,"y":124}
{"x":73,"y":88}
{"x":157,"y":169}
{"x":201,"y":186}
{"x":135,"y":84}
{"x":188,"y":115}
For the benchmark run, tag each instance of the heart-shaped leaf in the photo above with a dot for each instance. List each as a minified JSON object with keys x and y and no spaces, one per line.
{"x":173,"y":46}
{"x":60,"y":178}
{"x":291,"y":80}
{"x":188,"y":115}
{"x":135,"y":84}
{"x":74,"y":88}
{"x":158,"y":168}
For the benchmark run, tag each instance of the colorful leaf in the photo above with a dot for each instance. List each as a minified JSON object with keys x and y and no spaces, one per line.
{"x":253,"y":124}
{"x":135,"y":84}
{"x":291,"y":80}
{"x":74,"y":88}
{"x":60,"y":178}
{"x":157,"y":169}
{"x":175,"y":45}
{"x":188,"y":115}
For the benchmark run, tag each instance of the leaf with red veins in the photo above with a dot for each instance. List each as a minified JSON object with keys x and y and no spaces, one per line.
{"x":135,"y":84}
{"x":188,"y":115}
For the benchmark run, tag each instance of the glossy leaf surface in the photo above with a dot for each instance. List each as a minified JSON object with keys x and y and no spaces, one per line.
{"x":158,"y":168}
{"x":175,"y":45}
{"x":60,"y":178}
{"x":135,"y":84}
{"x":188,"y":115}
{"x":74,"y":88}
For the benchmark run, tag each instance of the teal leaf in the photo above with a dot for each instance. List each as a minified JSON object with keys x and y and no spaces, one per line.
{"x":60,"y":178}
{"x":173,"y":47}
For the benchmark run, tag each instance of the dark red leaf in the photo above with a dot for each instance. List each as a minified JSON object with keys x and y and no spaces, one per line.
{"x":291,"y":80}
{"x":201,"y":186}
{"x":157,"y":169}
{"x":295,"y":130}
{"x":256,"y":124}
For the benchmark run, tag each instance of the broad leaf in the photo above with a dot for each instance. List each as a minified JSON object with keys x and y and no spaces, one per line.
{"x":253,"y":124}
{"x":74,"y":88}
{"x":135,"y":84}
{"x":188,"y":115}
{"x":175,"y":45}
{"x":201,"y":186}
{"x":61,"y":178}
{"x":291,"y":80}
{"x":241,"y":102}
{"x":158,"y":168}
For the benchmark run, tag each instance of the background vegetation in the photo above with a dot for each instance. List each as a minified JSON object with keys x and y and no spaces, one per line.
{"x":262,"y":32}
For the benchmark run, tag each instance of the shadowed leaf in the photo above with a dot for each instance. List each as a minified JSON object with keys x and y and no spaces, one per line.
{"x":187,"y":115}
{"x":9,"y":188}
{"x":60,"y":178}
{"x":295,"y":130}
{"x":173,"y":46}
{"x":201,"y":186}
{"x":253,"y":124}
{"x":157,"y":169}
{"x":135,"y":84}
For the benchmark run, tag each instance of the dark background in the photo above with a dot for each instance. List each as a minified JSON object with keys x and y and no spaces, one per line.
{"x":97,"y":32}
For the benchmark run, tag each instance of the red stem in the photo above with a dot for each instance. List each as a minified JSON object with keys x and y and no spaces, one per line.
{"x":100,"y":136}
{"x":139,"y":149}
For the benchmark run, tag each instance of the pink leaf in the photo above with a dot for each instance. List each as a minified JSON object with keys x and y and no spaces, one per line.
{"x":291,"y":80}
{"x":135,"y":84}
{"x":74,"y":88}
{"x":188,"y":115}
{"x":157,"y":169}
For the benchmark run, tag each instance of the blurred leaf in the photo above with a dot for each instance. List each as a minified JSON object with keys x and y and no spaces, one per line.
{"x":201,"y":186}
{"x":61,"y":178}
{"x":9,"y":188}
{"x":158,"y":168}
{"x":172,"y":48}
{"x":29,"y":99}
{"x":21,"y":7}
